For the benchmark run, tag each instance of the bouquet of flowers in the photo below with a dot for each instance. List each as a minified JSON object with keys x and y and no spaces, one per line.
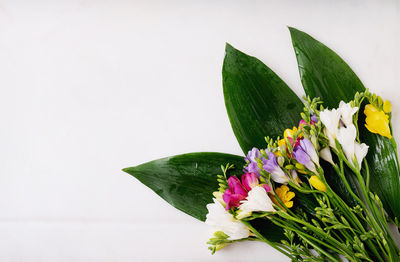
{"x":320,"y":177}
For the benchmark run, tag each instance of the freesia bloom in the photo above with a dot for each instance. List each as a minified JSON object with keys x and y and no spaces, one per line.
{"x":285,"y":196}
{"x":295,"y":177}
{"x":314,"y":118}
{"x":252,"y":155}
{"x":290,"y":132}
{"x":360,"y":152}
{"x":313,"y":121}
{"x":326,"y":155}
{"x":377,"y":121}
{"x":222,"y":220}
{"x":305,"y":153}
{"x":346,"y":137}
{"x":330,"y":119}
{"x":252,"y":167}
{"x":235,"y":193}
{"x":317,"y":183}
{"x":387,"y":106}
{"x":346,"y":113}
{"x":270,"y":165}
{"x":353,"y":150}
{"x":308,"y":147}
{"x":251,"y":158}
{"x":249,"y":180}
{"x":257,"y":201}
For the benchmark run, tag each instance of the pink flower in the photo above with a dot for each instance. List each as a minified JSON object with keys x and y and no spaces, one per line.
{"x":235,"y":193}
{"x":249,"y":180}
{"x":266,"y":187}
{"x":313,"y":121}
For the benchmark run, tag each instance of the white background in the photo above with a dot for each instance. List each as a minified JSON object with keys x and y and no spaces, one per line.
{"x":90,"y":87}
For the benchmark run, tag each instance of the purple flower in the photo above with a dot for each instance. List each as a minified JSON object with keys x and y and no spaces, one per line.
{"x":309,"y":148}
{"x":253,"y":168}
{"x":235,"y":193}
{"x":252,"y":155}
{"x":270,"y":165}
{"x":303,"y":158}
{"x":314,"y":118}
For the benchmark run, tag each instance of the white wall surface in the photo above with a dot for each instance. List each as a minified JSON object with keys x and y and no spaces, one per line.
{"x":89,"y":87}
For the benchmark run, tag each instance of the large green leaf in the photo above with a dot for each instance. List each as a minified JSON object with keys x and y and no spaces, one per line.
{"x":258,"y":102}
{"x":324,"y":74}
{"x":187,"y":182}
{"x":384,"y":168}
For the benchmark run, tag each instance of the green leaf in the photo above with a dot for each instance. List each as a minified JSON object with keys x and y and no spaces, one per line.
{"x":324,"y":74}
{"x":187,"y":182}
{"x":384,"y":168}
{"x":258,"y":102}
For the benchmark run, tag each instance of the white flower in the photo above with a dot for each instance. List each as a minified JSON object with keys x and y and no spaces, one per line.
{"x":331,"y":138}
{"x":330,"y":119}
{"x":346,"y":113}
{"x":346,"y":137}
{"x":257,"y":200}
{"x":360,"y":151}
{"x":223,"y":221}
{"x":326,"y":155}
{"x":295,"y":177}
{"x":279,"y":177}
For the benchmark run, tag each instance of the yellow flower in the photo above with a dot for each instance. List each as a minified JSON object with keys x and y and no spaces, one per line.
{"x":377,"y":121}
{"x":285,"y":195}
{"x":289,"y":132}
{"x":387,"y":106}
{"x":317,"y":183}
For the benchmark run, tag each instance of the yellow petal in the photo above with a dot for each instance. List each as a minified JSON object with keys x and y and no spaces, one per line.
{"x":377,"y":121}
{"x":387,"y":106}
{"x":290,"y":195}
{"x":289,"y":204}
{"x":277,"y":153}
{"x":370,"y":109}
{"x":284,"y":189}
{"x":281,"y":142}
{"x":317,"y":183}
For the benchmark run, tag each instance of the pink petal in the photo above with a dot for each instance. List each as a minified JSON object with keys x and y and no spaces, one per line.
{"x":249,"y":181}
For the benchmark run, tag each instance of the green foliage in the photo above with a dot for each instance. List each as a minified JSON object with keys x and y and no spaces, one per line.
{"x":258,"y":102}
{"x":325,"y":75}
{"x":186,"y":181}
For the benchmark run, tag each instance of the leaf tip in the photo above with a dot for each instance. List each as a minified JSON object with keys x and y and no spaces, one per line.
{"x":127,"y":170}
{"x":228,"y":47}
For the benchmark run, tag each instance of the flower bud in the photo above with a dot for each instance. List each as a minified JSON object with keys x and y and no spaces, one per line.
{"x":317,"y":183}
{"x":281,"y":161}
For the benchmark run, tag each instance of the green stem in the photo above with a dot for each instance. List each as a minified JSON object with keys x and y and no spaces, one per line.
{"x":261,"y":237}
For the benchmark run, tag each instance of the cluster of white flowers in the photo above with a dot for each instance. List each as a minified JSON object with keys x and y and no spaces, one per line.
{"x":339,"y":126}
{"x":221,"y":220}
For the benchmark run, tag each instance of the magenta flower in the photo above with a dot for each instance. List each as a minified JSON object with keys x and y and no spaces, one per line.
{"x":314,"y":120}
{"x":266,"y":187}
{"x":249,"y":180}
{"x":235,"y":193}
